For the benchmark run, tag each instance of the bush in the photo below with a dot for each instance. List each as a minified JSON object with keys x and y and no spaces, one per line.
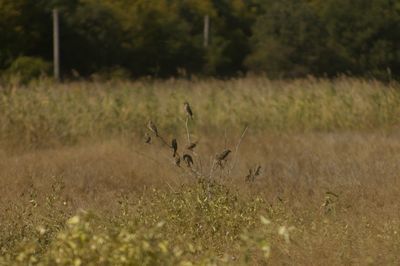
{"x":28,"y":68}
{"x":198,"y":224}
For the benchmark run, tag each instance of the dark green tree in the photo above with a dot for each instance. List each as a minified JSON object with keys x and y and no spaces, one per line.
{"x":295,"y":38}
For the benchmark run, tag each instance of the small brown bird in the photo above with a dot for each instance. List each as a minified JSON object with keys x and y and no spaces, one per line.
{"x":188,"y":159}
{"x":188,"y":110}
{"x":178,"y":161}
{"x":147,"y":138}
{"x":174,"y":146}
{"x":222,"y":156}
{"x":152,"y":127}
{"x":191,"y":146}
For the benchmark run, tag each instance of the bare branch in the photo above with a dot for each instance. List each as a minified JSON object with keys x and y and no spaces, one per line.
{"x":235,"y":157}
{"x":187,"y":130}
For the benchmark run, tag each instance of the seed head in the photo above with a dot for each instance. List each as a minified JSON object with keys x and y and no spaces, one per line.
{"x":174,"y":145}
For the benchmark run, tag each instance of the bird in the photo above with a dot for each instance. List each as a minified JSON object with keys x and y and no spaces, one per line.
{"x":222,"y":156}
{"x":191,"y":146}
{"x":152,"y":127}
{"x":147,"y":138}
{"x":174,"y":145}
{"x":188,"y":159}
{"x":188,"y":110}
{"x":178,"y":161}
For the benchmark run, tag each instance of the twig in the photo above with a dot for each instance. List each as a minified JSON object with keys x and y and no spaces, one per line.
{"x":225,"y":139}
{"x":157,"y":162}
{"x":163,"y":140}
{"x":187,"y":129}
{"x":212,"y":168}
{"x":170,"y":187}
{"x":147,"y":157}
{"x":200,"y":162}
{"x":236,"y":150}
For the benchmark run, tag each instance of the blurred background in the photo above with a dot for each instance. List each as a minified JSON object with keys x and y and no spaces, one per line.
{"x":220,"y":38}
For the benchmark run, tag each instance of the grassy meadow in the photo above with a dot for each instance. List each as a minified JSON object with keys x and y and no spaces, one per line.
{"x":80,"y":186}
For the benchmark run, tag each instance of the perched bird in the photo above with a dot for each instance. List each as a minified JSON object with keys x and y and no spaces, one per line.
{"x":174,"y":145}
{"x":152,"y":127}
{"x":222,"y":156}
{"x":147,"y":138}
{"x":188,"y":110}
{"x":191,"y":146}
{"x":188,"y":159}
{"x":178,"y":161}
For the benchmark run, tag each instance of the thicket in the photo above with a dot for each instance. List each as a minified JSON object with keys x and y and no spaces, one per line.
{"x":162,"y":38}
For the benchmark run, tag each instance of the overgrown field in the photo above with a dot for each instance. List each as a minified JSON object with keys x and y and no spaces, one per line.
{"x":45,"y":115}
{"x":80,"y":186}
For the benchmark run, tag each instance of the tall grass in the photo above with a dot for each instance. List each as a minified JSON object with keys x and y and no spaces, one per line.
{"x":106,"y":204}
{"x":45,"y":114}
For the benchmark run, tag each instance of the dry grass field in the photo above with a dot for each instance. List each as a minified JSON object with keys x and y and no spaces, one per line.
{"x":79,"y":186}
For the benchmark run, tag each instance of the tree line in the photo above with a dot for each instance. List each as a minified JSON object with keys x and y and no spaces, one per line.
{"x":285,"y":38}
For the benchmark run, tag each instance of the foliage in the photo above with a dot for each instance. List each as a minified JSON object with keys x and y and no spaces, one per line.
{"x":293,"y":38}
{"x":161,"y":38}
{"x":288,"y":40}
{"x":28,"y":68}
{"x":199,"y":224}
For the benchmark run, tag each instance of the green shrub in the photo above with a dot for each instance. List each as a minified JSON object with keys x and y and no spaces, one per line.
{"x":203,"y":223}
{"x":28,"y":68}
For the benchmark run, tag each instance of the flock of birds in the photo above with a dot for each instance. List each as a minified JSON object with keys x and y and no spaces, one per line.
{"x":187,"y":158}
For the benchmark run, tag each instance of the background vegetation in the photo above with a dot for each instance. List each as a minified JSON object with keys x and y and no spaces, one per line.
{"x":128,"y":38}
{"x":47,"y":114}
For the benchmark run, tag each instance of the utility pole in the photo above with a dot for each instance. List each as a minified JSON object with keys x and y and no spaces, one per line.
{"x":56,"y":45}
{"x":206,"y":31}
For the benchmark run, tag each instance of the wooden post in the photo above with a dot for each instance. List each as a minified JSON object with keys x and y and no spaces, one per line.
{"x":56,"y":45}
{"x":206,"y":30}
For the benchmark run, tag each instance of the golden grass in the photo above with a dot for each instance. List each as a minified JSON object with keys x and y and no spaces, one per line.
{"x":326,"y":195}
{"x":47,"y":115}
